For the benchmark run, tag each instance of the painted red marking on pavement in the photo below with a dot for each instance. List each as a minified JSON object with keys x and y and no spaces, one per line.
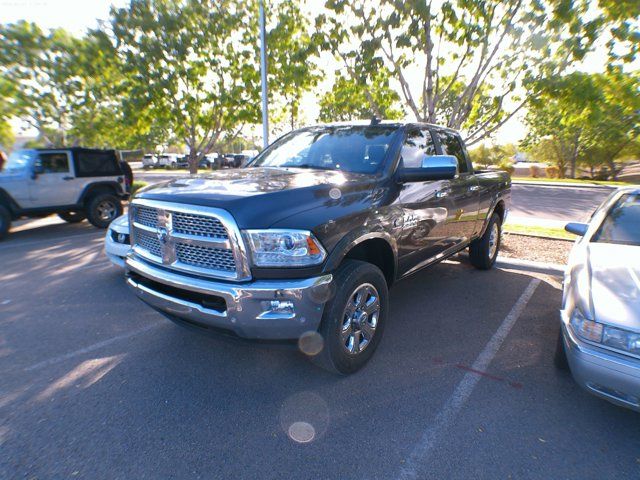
{"x":489,"y":375}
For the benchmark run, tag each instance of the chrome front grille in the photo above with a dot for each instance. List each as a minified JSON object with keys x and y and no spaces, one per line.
{"x":198,"y":225}
{"x":214,"y":258}
{"x":199,"y":240}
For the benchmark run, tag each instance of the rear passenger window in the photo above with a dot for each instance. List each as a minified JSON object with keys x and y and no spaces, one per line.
{"x":96,"y":163}
{"x":417,"y":145}
{"x":451,"y":145}
{"x":53,"y":162}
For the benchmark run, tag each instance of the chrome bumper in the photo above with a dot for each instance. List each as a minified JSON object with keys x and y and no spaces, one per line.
{"x":249,"y":312}
{"x":608,"y":375}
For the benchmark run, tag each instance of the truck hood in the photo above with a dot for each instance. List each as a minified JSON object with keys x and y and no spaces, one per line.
{"x":615,"y":284}
{"x":259,"y":197}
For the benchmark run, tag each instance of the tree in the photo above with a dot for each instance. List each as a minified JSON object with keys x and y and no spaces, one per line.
{"x":584,"y":118}
{"x":463,"y":63}
{"x":290,"y":59}
{"x":347,"y":100}
{"x":494,"y":155}
{"x":39,"y":67}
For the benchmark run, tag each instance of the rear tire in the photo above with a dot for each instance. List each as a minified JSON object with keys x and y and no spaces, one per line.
{"x":5,"y":222}
{"x":103,"y":209}
{"x":72,"y":217}
{"x":353,"y":320}
{"x":484,"y":251}
{"x":560,"y":356}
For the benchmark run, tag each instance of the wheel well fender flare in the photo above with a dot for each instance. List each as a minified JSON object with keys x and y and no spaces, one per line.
{"x":6,"y":200}
{"x":498,"y":206}
{"x":355,"y":238}
{"x":96,"y":188}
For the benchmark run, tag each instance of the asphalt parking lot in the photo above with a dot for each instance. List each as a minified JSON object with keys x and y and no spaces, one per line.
{"x":94,"y":384}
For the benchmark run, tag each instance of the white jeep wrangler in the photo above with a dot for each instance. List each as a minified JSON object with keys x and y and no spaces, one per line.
{"x":75,"y":183}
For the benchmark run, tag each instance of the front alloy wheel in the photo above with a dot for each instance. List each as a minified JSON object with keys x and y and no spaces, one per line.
{"x":360,"y":319}
{"x":353,"y":320}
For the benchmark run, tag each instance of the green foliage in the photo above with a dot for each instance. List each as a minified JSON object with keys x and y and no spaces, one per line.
{"x":586,"y":119}
{"x":493,"y":155}
{"x":463,"y":63}
{"x":348,"y":101}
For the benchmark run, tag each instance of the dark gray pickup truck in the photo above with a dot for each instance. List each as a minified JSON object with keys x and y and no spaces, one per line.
{"x":303,"y":244}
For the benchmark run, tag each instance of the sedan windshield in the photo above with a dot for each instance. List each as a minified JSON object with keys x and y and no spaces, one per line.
{"x":350,"y":149}
{"x":19,"y":160}
{"x":622,"y":224}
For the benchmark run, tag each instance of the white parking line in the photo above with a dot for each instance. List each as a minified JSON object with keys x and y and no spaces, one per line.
{"x":461,"y":394}
{"x":91,"y":348}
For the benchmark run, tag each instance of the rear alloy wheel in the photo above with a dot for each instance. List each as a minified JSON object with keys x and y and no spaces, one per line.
{"x":5,"y":222}
{"x":484,"y":251}
{"x":353,"y":320}
{"x":103,"y":209}
{"x":72,"y":217}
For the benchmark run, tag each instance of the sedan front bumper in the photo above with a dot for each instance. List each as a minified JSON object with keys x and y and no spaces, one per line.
{"x":608,"y":375}
{"x":261,"y":310}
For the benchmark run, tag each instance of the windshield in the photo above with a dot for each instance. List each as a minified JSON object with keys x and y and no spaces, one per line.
{"x":19,"y":160}
{"x":350,"y":149}
{"x":622,"y":224}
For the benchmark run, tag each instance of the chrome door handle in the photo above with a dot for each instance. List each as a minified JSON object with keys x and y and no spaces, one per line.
{"x":67,"y":178}
{"x":474,"y":188}
{"x":442,"y":193}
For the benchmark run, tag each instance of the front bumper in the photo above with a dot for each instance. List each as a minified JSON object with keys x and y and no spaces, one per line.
{"x":608,"y":375}
{"x":244,"y":309}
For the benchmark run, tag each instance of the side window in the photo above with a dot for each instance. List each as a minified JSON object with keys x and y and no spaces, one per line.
{"x":451,"y":145}
{"x":96,"y":163}
{"x":417,"y":145}
{"x":53,"y":162}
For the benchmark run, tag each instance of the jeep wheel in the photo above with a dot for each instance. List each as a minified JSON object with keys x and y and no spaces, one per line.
{"x":5,"y":221}
{"x":103,"y":209}
{"x":72,"y":217}
{"x":353,"y":321}
{"x":484,"y":251}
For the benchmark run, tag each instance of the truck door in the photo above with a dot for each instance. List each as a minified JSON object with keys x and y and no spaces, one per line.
{"x":464,"y":194}
{"x":53,"y":185}
{"x":423,"y":207}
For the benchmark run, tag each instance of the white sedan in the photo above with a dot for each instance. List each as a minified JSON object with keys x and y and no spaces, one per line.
{"x":116,"y":242}
{"x":600,"y":317}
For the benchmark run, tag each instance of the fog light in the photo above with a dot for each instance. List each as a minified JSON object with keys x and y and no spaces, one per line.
{"x":278,"y":308}
{"x":122,"y":238}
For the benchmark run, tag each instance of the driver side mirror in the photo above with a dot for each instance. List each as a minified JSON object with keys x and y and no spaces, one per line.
{"x":434,"y":167}
{"x":576,"y":228}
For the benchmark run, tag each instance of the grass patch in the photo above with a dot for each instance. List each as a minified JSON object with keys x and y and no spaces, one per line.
{"x":535,"y":231}
{"x":137,"y":185}
{"x":574,"y":180}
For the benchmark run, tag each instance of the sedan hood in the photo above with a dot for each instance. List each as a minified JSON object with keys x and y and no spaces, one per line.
{"x":615,"y":284}
{"x":259,"y":197}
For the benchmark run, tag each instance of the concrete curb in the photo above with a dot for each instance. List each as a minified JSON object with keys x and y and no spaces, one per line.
{"x":530,"y":266}
{"x":564,"y":184}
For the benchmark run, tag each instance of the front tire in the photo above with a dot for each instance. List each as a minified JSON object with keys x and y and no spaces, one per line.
{"x":103,"y":209}
{"x":5,"y":222}
{"x":72,"y":217}
{"x":354,"y":319}
{"x":484,"y":251}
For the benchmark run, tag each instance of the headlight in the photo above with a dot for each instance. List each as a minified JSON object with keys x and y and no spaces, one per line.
{"x":585,"y":329}
{"x":622,"y":340}
{"x":284,"y":248}
{"x":605,"y":335}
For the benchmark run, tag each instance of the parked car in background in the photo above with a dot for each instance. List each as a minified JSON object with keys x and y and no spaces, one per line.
{"x":304,"y":243}
{"x":116,"y":242}
{"x":149,"y":161}
{"x":208,"y":161}
{"x":599,"y":337}
{"x":75,"y":183}
{"x":228,"y":160}
{"x":170,"y":160}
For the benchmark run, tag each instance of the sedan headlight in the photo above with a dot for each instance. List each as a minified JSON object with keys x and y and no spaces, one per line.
{"x":604,"y":334}
{"x":284,"y":248}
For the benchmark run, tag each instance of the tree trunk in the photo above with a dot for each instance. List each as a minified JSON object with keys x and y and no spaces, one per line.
{"x":193,"y":162}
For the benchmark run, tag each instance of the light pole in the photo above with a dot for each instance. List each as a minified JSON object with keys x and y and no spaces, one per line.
{"x":263,"y":75}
